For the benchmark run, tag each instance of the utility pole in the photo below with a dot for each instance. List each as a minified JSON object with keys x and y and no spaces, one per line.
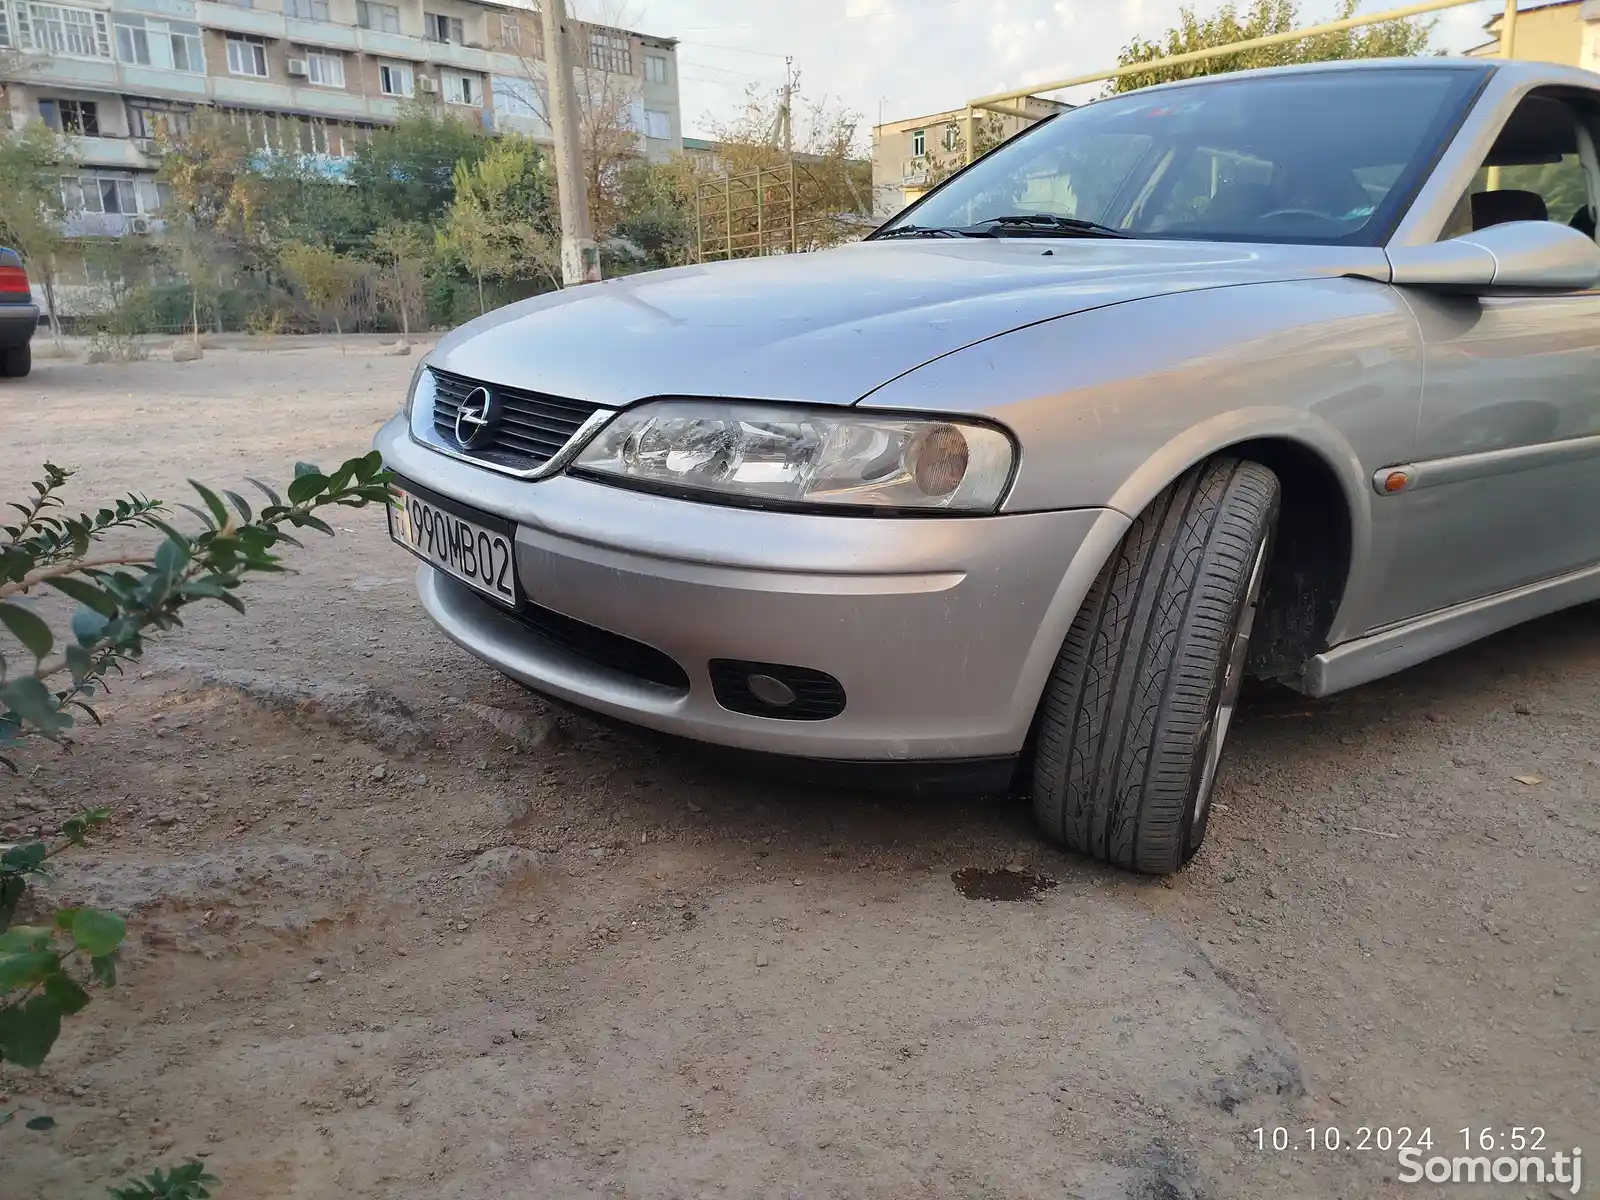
{"x":782,"y":132}
{"x":788,"y":105}
{"x":580,"y":257}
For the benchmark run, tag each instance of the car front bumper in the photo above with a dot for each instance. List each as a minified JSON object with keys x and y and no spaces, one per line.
{"x":941,"y":630}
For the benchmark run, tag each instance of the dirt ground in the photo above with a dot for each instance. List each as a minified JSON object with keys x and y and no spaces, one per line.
{"x":398,"y":929}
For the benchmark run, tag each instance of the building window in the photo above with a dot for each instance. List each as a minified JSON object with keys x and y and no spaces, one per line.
{"x":154,"y":119}
{"x":439,"y":28}
{"x":325,"y":70}
{"x":385,"y":18}
{"x":396,"y":79}
{"x":655,"y":68}
{"x":99,"y":194}
{"x":919,"y":144}
{"x":5,"y":25}
{"x":306,"y":10}
{"x":56,"y":29}
{"x":165,"y":45}
{"x":952,"y":137}
{"x":246,"y":56}
{"x":153,"y":195}
{"x":79,"y":117}
{"x":611,"y":52}
{"x":461,"y":88}
{"x":511,"y":33}
{"x":657,"y":124}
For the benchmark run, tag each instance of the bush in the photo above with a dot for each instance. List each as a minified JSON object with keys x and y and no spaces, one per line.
{"x":123,"y":599}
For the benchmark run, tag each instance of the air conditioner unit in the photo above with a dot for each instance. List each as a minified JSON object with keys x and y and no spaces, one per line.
{"x":297,"y":66}
{"x":426,"y":83}
{"x":139,"y":225}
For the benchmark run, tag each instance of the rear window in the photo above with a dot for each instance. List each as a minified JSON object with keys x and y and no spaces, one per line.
{"x":9,"y":258}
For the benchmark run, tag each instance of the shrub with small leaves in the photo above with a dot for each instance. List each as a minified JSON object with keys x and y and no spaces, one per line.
{"x":40,"y":965}
{"x":123,"y":599}
{"x":188,"y":1182}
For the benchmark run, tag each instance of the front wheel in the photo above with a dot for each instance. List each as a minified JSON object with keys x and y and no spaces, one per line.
{"x":1136,"y":712}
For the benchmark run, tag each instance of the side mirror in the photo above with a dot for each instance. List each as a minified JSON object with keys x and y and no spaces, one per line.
{"x":1519,"y":256}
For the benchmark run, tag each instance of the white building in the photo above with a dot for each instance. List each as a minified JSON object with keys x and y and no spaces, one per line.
{"x":312,"y":77}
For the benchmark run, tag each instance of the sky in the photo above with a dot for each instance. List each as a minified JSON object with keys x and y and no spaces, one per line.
{"x":905,"y":58}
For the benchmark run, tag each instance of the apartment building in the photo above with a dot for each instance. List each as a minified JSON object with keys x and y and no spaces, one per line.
{"x":306,"y":77}
{"x":906,"y":154}
{"x":1566,"y":32}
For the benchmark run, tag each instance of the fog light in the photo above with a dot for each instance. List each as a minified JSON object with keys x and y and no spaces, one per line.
{"x":770,"y":691}
{"x":776,"y":691}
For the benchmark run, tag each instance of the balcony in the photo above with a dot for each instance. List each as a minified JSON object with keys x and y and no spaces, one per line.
{"x":86,"y":224}
{"x":323,"y":102}
{"x":239,"y":20}
{"x":121,"y":153}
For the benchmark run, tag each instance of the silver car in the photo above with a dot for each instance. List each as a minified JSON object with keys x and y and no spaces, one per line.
{"x":1291,"y":373}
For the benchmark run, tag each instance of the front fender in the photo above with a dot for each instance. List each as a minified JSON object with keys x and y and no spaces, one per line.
{"x":1111,"y":405}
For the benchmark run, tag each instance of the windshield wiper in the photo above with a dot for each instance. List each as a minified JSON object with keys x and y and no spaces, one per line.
{"x":923,"y":231}
{"x":1045,"y":223}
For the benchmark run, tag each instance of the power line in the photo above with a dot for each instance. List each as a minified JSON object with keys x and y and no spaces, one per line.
{"x":700,"y":66}
{"x":727,"y":83}
{"x":733,"y":49}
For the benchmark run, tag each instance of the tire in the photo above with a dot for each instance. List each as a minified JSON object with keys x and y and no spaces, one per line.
{"x":16,"y":362}
{"x":1135,"y":714}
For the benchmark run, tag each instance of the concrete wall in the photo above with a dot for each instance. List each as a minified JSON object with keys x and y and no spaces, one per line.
{"x":1564,"y":33}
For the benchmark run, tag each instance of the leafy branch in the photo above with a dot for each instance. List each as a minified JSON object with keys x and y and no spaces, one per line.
{"x":188,"y":1182}
{"x":37,"y":989}
{"x":123,"y":599}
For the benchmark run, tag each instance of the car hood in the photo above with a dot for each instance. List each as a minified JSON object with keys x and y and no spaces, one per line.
{"x":829,"y":327}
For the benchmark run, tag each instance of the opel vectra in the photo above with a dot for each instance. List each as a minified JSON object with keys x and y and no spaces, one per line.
{"x":1292,"y":373}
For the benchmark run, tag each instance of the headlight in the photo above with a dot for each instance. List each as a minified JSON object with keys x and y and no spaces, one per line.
{"x":422,"y":388}
{"x":783,"y":455}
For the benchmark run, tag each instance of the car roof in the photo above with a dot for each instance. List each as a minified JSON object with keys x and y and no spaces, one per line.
{"x":1519,"y":70}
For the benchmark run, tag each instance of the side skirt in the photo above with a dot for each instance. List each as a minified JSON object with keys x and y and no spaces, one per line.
{"x":1421,"y":638}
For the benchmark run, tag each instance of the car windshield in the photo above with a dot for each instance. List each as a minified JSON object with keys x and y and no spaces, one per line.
{"x":1322,"y":157}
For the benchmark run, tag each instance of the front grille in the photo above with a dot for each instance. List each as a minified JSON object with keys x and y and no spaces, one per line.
{"x":531,"y":429}
{"x":817,"y":695}
{"x":602,"y":647}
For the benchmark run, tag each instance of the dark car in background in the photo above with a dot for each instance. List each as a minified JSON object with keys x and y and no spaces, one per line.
{"x":19,"y":316}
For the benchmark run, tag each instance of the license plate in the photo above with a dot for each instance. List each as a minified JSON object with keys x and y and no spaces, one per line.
{"x":466,"y":547}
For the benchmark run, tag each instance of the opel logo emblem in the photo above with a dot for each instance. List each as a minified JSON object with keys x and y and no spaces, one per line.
{"x":476,"y":418}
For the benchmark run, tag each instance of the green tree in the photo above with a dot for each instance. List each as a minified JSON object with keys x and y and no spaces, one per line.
{"x":298,"y":200}
{"x":503,"y":222}
{"x":31,"y":211}
{"x":655,"y":211}
{"x":401,"y":253}
{"x":214,"y":214}
{"x":1391,"y":39}
{"x":216,"y":187}
{"x":407,"y":171}
{"x":326,"y":278}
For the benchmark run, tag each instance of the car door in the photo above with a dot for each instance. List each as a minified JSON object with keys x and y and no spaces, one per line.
{"x":1508,"y":440}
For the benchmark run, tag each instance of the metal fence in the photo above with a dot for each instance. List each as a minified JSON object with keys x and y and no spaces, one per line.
{"x":747,"y":215}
